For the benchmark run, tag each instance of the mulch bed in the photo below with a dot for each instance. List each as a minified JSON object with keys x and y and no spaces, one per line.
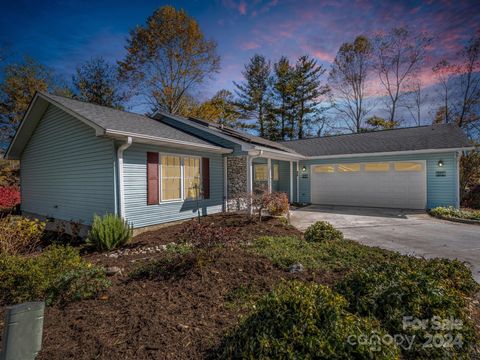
{"x":181,"y":317}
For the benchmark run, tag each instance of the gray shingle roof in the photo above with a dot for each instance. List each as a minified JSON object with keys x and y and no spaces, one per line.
{"x":230,"y":132}
{"x":444,"y":136}
{"x":118,"y":120}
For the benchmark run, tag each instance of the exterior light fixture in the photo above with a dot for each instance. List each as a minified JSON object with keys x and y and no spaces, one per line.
{"x":440,"y":163}
{"x":304,"y":168}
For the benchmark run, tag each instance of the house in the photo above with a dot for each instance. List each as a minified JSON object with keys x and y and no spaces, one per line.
{"x":78,"y":159}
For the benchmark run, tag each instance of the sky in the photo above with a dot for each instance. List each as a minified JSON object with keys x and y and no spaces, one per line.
{"x":64,"y":34}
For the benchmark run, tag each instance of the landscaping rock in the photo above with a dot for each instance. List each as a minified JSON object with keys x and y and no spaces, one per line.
{"x":113,"y":270}
{"x":295,"y":268}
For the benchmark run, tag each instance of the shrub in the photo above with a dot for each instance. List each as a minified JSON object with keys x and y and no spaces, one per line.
{"x":340,"y":255}
{"x":207,"y":235}
{"x":303,"y":321}
{"x":165,"y":268}
{"x":322,"y":231}
{"x":84,"y":282}
{"x":277,"y":203}
{"x":411,"y":288}
{"x":109,"y":232}
{"x":56,"y":275}
{"x":472,"y":198}
{"x":178,"y":260}
{"x":9,"y":197}
{"x":19,"y":235}
{"x":451,"y":212}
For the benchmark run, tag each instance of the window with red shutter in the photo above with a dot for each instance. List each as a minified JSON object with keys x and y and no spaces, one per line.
{"x":152,"y":178}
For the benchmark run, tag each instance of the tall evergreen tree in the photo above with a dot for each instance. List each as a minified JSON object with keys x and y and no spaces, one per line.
{"x":308,"y":91}
{"x":283,"y":90}
{"x":253,"y":92}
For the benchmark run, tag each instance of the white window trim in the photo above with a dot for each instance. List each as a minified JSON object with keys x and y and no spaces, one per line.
{"x":182,"y":177}
{"x":255,"y":171}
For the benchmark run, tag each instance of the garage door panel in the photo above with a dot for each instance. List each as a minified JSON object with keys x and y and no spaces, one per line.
{"x":402,"y":186}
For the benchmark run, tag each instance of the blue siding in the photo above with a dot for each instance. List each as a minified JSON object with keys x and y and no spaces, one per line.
{"x":284,"y":177}
{"x":441,"y":191}
{"x":136,"y":209}
{"x":217,"y":140}
{"x":66,"y":171}
{"x":283,"y":182}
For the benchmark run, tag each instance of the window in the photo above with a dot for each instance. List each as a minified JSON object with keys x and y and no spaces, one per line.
{"x":275,"y":172}
{"x":348,"y":167}
{"x":171,"y":177}
{"x":191,"y":175}
{"x":408,"y":166}
{"x":377,"y":167}
{"x":260,"y":172}
{"x":324,"y":169}
{"x":180,"y":177}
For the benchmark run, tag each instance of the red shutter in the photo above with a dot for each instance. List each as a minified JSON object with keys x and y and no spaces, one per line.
{"x":206,"y":177}
{"x":152,"y":178}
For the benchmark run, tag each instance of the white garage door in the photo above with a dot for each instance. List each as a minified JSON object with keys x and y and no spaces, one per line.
{"x":399,"y":184}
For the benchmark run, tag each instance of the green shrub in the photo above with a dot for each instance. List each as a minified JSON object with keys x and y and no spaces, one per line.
{"x":340,"y":255}
{"x":20,"y":235}
{"x":109,"y":232}
{"x":56,"y":275}
{"x":411,"y":288}
{"x":453,"y":273}
{"x":451,"y":212}
{"x":322,"y":231}
{"x":165,"y":268}
{"x":84,"y":282}
{"x":303,"y":321}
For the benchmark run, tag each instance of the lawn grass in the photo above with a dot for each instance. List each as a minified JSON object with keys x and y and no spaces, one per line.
{"x":336,"y":255}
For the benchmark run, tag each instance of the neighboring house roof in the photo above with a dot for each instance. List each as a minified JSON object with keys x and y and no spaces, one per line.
{"x":234,"y":135}
{"x":434,"y":137}
{"x":106,"y":121}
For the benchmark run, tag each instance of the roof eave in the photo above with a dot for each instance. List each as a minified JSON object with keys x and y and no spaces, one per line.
{"x":37,"y":108}
{"x":281,"y":155}
{"x":388,"y":153}
{"x":245,"y":146}
{"x":155,"y":140}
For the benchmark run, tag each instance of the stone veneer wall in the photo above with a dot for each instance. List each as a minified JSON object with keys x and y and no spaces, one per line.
{"x":237,"y":182}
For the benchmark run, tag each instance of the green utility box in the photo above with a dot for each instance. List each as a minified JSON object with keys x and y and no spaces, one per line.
{"x":22,"y":335}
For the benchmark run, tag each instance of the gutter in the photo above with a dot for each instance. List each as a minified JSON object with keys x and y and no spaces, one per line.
{"x":408,"y":152}
{"x":166,"y":141}
{"x":121,"y":182}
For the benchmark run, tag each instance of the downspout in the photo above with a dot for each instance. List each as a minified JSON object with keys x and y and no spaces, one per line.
{"x":225,"y":184}
{"x":459,"y":200}
{"x":121,"y":183}
{"x":298,"y":181}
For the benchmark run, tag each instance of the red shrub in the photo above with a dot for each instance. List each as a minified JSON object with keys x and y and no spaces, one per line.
{"x":277,"y":203}
{"x":9,"y":197}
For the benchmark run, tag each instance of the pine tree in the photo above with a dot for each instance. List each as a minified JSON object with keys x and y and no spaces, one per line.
{"x":283,"y":92}
{"x":253,"y":93}
{"x":308,"y":90}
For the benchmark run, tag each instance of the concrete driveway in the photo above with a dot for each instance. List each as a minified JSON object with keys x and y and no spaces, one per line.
{"x":408,"y":232}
